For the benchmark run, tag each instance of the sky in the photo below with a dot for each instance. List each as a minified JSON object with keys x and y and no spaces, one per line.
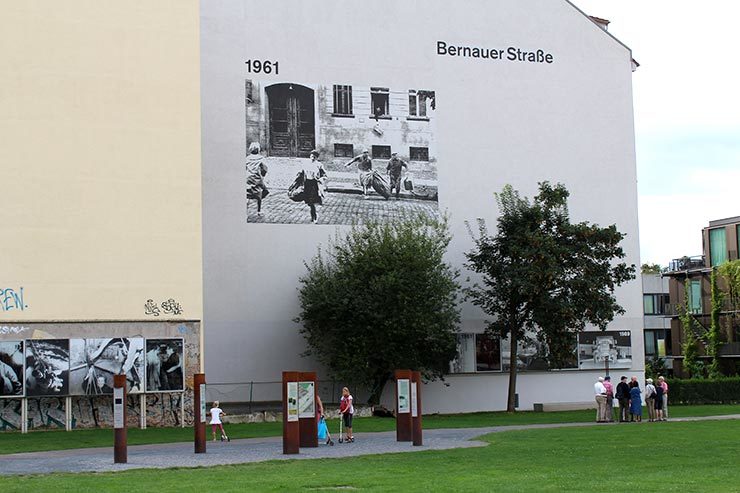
{"x":687,"y":115}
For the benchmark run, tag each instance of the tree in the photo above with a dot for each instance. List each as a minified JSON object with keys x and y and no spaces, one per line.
{"x":651,"y":269}
{"x":543,"y":276}
{"x":382,"y":298}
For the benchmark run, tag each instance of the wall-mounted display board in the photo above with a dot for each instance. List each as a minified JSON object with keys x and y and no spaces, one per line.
{"x":11,"y":368}
{"x":47,"y":367}
{"x":598,"y":349}
{"x":164,"y":365}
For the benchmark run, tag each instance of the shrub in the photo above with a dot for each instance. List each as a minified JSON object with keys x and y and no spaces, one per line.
{"x":715,"y":391}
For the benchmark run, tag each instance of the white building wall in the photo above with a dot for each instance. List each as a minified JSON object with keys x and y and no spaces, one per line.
{"x":498,"y":122}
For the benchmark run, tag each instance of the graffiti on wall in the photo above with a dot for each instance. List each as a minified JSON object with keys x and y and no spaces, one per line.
{"x":12,"y":329}
{"x":168,"y":307}
{"x":12,"y":299}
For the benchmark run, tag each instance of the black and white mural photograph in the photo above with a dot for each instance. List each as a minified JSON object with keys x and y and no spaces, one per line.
{"x":11,"y":368}
{"x":596,"y":350}
{"x":534,"y":355}
{"x":338,"y":153}
{"x":93,"y":362}
{"x":47,"y":367}
{"x":164,"y":365}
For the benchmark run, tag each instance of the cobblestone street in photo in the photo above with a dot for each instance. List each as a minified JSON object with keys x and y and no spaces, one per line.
{"x":338,"y":208}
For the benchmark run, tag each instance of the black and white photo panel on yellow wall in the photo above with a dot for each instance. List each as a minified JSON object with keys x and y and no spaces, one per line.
{"x":11,"y":368}
{"x":47,"y":367}
{"x":164,"y":365}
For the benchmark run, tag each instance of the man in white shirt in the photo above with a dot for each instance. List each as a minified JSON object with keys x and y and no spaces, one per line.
{"x":600,"y":392}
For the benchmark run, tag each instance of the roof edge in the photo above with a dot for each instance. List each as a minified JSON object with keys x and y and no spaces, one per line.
{"x":597,"y":25}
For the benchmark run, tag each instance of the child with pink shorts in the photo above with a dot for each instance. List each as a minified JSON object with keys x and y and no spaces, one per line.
{"x":216,"y":424}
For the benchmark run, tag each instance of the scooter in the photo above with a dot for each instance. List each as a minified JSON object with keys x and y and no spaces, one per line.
{"x":340,"y":439}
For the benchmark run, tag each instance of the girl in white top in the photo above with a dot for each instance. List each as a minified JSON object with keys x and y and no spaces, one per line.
{"x":216,"y":414}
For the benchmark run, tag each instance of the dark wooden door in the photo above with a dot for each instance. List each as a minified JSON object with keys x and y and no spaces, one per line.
{"x":291,"y":120}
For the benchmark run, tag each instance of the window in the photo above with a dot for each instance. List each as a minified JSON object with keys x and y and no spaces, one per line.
{"x":487,"y":353}
{"x":379,"y":98}
{"x":658,"y":343}
{"x":342,"y":100}
{"x":695,"y":297}
{"x":654,"y":304}
{"x":419,"y":153}
{"x":464,"y":362}
{"x":381,"y":152}
{"x":420,"y":102}
{"x":343,"y":150}
{"x":248,"y":91}
{"x":717,"y":246}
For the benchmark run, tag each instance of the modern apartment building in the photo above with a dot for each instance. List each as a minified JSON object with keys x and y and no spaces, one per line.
{"x":690,"y":286}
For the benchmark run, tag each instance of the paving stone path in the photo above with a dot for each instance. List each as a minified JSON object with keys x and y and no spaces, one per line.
{"x":258,"y":450}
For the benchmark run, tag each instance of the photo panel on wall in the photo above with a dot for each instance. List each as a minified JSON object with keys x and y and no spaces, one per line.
{"x":597,"y":349}
{"x":94,"y":362}
{"x":11,"y":368}
{"x":359,"y":151}
{"x":164,"y":365}
{"x":47,"y":367}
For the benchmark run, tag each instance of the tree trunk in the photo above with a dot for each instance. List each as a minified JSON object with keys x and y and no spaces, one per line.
{"x":377,"y":391}
{"x":511,"y":404}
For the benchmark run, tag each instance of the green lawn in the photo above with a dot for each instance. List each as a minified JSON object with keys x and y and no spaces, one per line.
{"x":14,"y":442}
{"x":692,"y":456}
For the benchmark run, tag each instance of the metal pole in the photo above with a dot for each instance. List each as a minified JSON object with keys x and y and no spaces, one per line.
{"x":120,"y":443}
{"x":199,"y":421}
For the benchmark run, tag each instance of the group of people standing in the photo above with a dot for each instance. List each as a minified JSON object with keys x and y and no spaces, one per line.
{"x":630,"y":399}
{"x":309,"y":185}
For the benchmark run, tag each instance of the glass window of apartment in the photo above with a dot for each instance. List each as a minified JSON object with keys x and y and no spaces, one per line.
{"x":380,"y":99}
{"x":464,"y":362}
{"x":487,"y":353}
{"x":381,"y":152}
{"x":654,"y":304}
{"x":695,"y":297}
{"x":657,"y":343}
{"x":343,"y":150}
{"x":648,"y":304}
{"x":717,"y":246}
{"x":342,"y":100}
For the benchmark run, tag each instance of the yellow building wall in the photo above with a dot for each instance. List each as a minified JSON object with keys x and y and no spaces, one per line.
{"x":99,"y":159}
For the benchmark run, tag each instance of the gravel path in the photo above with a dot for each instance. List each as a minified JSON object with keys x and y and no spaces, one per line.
{"x":258,"y":450}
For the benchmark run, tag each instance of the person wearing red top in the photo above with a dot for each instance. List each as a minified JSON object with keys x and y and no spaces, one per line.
{"x":348,"y":410}
{"x":609,"y":398}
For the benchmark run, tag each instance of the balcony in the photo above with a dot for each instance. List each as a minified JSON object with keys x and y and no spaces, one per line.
{"x":697,"y":262}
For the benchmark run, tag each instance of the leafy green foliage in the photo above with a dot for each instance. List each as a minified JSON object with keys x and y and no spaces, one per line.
{"x":651,"y":269}
{"x":382,"y":298}
{"x":705,"y":391}
{"x":691,"y":362}
{"x":655,"y":367}
{"x":713,"y":341}
{"x":543,"y":275}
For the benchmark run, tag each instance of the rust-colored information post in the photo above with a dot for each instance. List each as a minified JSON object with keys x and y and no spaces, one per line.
{"x":403,"y":406}
{"x":291,"y":427}
{"x":309,"y":434}
{"x":416,"y":408}
{"x":200,"y":414}
{"x":120,"y":443}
